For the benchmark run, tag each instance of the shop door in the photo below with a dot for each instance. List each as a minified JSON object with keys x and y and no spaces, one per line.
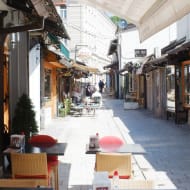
{"x":6,"y":129}
{"x":6,"y":97}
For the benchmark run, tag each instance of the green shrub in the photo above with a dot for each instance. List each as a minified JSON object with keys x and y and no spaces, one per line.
{"x":24,"y":117}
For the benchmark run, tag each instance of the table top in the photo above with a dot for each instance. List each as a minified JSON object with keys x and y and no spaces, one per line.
{"x":126,"y":148}
{"x":26,"y":188}
{"x":58,"y":149}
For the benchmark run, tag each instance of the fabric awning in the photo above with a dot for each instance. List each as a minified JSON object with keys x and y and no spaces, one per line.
{"x":150,"y":16}
{"x":52,"y":58}
{"x":84,"y":68}
{"x":60,"y":56}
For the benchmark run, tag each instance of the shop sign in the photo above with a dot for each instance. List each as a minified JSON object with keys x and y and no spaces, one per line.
{"x":140,"y":52}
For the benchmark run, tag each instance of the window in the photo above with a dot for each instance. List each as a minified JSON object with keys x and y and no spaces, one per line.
{"x":186,"y":83}
{"x":63,"y":12}
{"x":47,"y":84}
{"x":170,"y":85}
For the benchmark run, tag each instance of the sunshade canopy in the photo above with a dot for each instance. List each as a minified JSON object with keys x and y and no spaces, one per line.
{"x":150,"y":16}
{"x":84,"y":68}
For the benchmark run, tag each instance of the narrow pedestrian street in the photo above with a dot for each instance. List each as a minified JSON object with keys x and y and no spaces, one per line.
{"x":167,"y":160}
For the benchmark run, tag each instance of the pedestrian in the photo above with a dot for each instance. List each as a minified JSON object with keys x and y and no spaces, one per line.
{"x":97,"y":97}
{"x":88,"y":91}
{"x":101,"y":86}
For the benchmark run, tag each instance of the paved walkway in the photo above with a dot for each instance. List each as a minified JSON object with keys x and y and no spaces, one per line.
{"x":168,"y":154}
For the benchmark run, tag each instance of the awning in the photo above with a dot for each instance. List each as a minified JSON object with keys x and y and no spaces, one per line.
{"x":84,"y":68}
{"x":112,"y":65}
{"x":60,"y":56}
{"x":172,"y":45}
{"x":159,"y":61}
{"x":150,"y":16}
{"x":114,"y":62}
{"x":123,"y":71}
{"x":144,"y":62}
{"x":51,"y":57}
{"x":53,"y":22}
{"x":155,"y":63}
{"x":35,"y":9}
{"x":126,"y":68}
{"x":180,"y":48}
{"x":58,"y":42}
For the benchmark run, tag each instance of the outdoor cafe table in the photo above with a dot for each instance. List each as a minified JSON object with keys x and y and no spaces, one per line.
{"x":57,"y":149}
{"x":126,"y":148}
{"x":26,"y":188}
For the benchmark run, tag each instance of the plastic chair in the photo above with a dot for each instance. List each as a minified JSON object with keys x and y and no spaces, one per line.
{"x":111,"y":162}
{"x":30,"y":166}
{"x":20,"y":182}
{"x":42,"y":140}
{"x":136,"y":184}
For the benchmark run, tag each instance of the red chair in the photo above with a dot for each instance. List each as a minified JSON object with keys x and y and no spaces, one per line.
{"x":41,"y":140}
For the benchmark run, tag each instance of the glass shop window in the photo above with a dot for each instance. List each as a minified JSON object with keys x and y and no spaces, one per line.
{"x":47,"y":85}
{"x":170,"y":85}
{"x":186,"y":83}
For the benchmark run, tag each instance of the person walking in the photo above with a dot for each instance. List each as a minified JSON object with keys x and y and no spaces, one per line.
{"x":88,"y":91}
{"x":101,"y":86}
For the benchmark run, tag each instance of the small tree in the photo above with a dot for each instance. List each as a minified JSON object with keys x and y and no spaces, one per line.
{"x":24,"y":117}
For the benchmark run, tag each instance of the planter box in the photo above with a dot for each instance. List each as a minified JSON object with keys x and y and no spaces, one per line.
{"x":131,"y":105}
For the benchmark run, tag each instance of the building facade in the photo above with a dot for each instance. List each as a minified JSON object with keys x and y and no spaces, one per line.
{"x":91,"y":31}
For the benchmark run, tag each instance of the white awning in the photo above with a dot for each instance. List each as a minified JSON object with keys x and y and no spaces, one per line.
{"x":150,"y":16}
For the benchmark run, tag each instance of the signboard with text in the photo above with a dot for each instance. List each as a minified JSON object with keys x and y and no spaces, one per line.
{"x":140,"y":52}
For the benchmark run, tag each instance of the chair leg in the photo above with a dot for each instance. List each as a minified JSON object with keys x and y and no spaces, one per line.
{"x":54,"y":179}
{"x":56,"y":176}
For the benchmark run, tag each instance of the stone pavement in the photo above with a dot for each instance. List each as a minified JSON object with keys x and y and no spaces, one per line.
{"x":168,"y":154}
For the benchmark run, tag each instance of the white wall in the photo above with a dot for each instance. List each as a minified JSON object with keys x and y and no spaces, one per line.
{"x":86,"y":25}
{"x":130,"y":41}
{"x":89,"y":26}
{"x":34,"y":80}
{"x":183,"y":27}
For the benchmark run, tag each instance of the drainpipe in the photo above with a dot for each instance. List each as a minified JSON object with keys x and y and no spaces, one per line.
{"x":41,"y":27}
{"x":119,"y":59}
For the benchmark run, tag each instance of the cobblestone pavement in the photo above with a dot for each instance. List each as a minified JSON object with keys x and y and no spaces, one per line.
{"x":167,"y":145}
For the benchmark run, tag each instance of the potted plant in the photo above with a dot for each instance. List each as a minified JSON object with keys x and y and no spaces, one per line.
{"x":24,"y":118}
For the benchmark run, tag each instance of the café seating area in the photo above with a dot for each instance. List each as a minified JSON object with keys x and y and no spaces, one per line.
{"x":34,"y":164}
{"x":31,"y":166}
{"x":113,"y":155}
{"x":122,"y":164}
{"x":111,"y":162}
{"x":77,"y":167}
